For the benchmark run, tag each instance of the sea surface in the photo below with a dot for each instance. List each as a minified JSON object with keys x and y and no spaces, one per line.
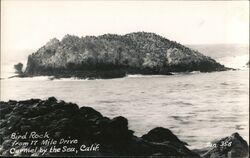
{"x":197,"y":107}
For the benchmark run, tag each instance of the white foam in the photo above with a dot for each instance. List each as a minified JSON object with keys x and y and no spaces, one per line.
{"x":37,"y":78}
{"x":237,"y":62}
{"x":69,"y":79}
{"x":140,"y":76}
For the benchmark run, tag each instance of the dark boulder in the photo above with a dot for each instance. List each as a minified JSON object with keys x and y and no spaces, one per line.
{"x":50,"y":101}
{"x":164,"y":138}
{"x":89,"y":112}
{"x":117,"y":130}
{"x":233,"y":146}
{"x":160,"y":135}
{"x":119,"y":123}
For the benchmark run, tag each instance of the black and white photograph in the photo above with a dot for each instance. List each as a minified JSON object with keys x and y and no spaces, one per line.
{"x":128,"y":78}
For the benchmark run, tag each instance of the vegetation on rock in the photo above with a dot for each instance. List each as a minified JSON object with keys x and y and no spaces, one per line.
{"x":111,"y":55}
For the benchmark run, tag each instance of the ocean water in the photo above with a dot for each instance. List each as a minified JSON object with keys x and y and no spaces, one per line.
{"x":197,"y":107}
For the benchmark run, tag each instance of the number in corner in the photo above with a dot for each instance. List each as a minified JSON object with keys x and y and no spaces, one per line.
{"x":226,"y":143}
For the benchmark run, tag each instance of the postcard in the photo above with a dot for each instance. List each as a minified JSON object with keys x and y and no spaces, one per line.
{"x":124,"y":79}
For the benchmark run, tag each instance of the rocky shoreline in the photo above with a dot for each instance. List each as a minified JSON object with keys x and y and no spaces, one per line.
{"x":55,"y":128}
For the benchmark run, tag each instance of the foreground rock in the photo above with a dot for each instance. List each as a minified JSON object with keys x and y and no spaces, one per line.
{"x":64,"y":129}
{"x":111,"y":56}
{"x":228,"y":147}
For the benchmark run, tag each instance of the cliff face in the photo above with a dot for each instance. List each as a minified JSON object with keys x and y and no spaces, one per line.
{"x":111,"y":55}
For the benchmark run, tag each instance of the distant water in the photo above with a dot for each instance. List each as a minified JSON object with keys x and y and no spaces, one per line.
{"x":230,"y":55}
{"x":198,"y":107}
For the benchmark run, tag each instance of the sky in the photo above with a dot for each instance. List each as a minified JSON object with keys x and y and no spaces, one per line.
{"x":30,"y":24}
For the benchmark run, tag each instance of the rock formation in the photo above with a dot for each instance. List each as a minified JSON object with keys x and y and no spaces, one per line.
{"x":110,"y":56}
{"x":233,"y":146}
{"x":64,"y":129}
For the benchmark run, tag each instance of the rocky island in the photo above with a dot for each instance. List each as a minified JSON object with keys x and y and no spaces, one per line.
{"x":113,"y":56}
{"x":55,"y":128}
